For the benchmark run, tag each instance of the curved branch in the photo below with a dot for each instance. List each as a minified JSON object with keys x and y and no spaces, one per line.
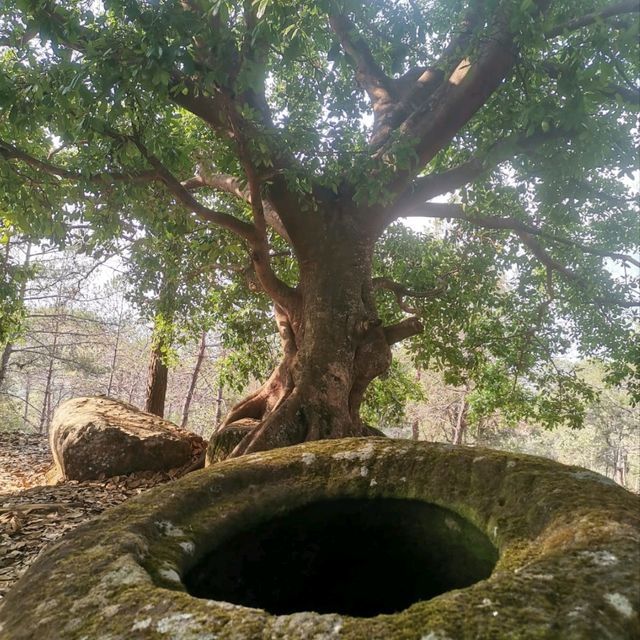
{"x":527,"y":234}
{"x":551,"y":263}
{"x":218,"y":181}
{"x":436,"y":184}
{"x":615,"y":9}
{"x":629,"y":94}
{"x":632,"y":96}
{"x":234,"y":186}
{"x":400,"y":292}
{"x":417,"y":86}
{"x":239,"y":227}
{"x":432,"y":126}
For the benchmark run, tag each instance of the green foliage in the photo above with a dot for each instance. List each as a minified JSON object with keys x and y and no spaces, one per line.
{"x":88,"y":86}
{"x":499,"y":338}
{"x":387,"y":397}
{"x":13,"y":278}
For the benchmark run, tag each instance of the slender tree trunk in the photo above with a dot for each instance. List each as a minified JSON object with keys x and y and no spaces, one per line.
{"x":46,"y":402}
{"x":157,"y":379}
{"x":162,"y":340}
{"x":218,"y":417}
{"x":415,"y":430}
{"x":8,"y":348}
{"x":460,"y":429}
{"x":114,"y":359}
{"x":7,"y":255}
{"x":194,"y":380}
{"x":27,"y":394}
{"x":620,"y":466}
{"x":4,"y":362}
{"x":132,"y":389}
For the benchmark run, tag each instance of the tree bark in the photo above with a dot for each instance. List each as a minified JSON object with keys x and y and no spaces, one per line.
{"x":218,"y":417}
{"x":620,"y":466}
{"x":116,"y":347}
{"x":460,"y":428}
{"x":27,"y":393}
{"x":157,"y":379}
{"x":4,"y":362}
{"x":162,"y":340}
{"x":8,"y":348}
{"x":46,"y":400}
{"x":194,"y":380}
{"x":333,"y":346}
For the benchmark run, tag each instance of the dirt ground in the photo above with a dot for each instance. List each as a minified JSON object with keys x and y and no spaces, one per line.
{"x":33,"y":515}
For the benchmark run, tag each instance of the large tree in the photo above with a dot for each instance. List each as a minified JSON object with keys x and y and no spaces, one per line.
{"x":303,"y":131}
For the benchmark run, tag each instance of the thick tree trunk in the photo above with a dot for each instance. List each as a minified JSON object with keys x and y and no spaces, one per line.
{"x":157,"y":379}
{"x":334,"y":345}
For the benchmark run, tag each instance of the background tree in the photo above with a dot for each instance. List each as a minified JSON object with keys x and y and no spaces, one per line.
{"x":13,"y":285}
{"x":304,"y":131}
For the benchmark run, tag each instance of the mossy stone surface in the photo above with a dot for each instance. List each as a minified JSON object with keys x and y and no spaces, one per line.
{"x":568,"y":542}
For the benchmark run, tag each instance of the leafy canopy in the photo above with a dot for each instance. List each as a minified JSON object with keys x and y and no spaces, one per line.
{"x":156,"y":115}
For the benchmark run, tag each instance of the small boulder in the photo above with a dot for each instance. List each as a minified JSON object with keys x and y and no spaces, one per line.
{"x":225,"y":440}
{"x":97,"y":437}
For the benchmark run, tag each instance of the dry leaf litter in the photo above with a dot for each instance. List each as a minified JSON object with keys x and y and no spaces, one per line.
{"x":33,"y":515}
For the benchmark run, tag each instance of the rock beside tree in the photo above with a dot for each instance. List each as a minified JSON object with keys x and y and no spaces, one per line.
{"x":97,"y":437}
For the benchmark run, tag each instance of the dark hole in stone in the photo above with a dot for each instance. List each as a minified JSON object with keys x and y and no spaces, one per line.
{"x":353,"y":557}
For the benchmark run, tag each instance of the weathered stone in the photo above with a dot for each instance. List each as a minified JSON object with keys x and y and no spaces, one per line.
{"x":224,"y":441}
{"x":100,"y":437}
{"x":567,"y":547}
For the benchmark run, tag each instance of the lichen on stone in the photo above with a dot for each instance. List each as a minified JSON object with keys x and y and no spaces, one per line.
{"x":620,"y":603}
{"x":568,"y":545}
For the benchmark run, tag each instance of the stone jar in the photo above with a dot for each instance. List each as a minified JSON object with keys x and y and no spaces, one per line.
{"x":369,"y":539}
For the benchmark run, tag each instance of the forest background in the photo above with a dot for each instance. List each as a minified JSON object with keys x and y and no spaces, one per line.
{"x":82,"y":331}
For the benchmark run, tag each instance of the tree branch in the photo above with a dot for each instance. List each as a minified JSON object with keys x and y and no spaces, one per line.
{"x":217,"y":181}
{"x":233,"y":186}
{"x":400,"y":292}
{"x":255,"y":233}
{"x":551,"y":263}
{"x":239,"y":227}
{"x":436,"y":121}
{"x":10,"y":152}
{"x":402,"y":330}
{"x":527,"y":234}
{"x":615,"y":9}
{"x":450,"y":210}
{"x":431,"y":127}
{"x":436,"y":184}
{"x":630,"y":94}
{"x":369,"y":74}
{"x":417,"y":86}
